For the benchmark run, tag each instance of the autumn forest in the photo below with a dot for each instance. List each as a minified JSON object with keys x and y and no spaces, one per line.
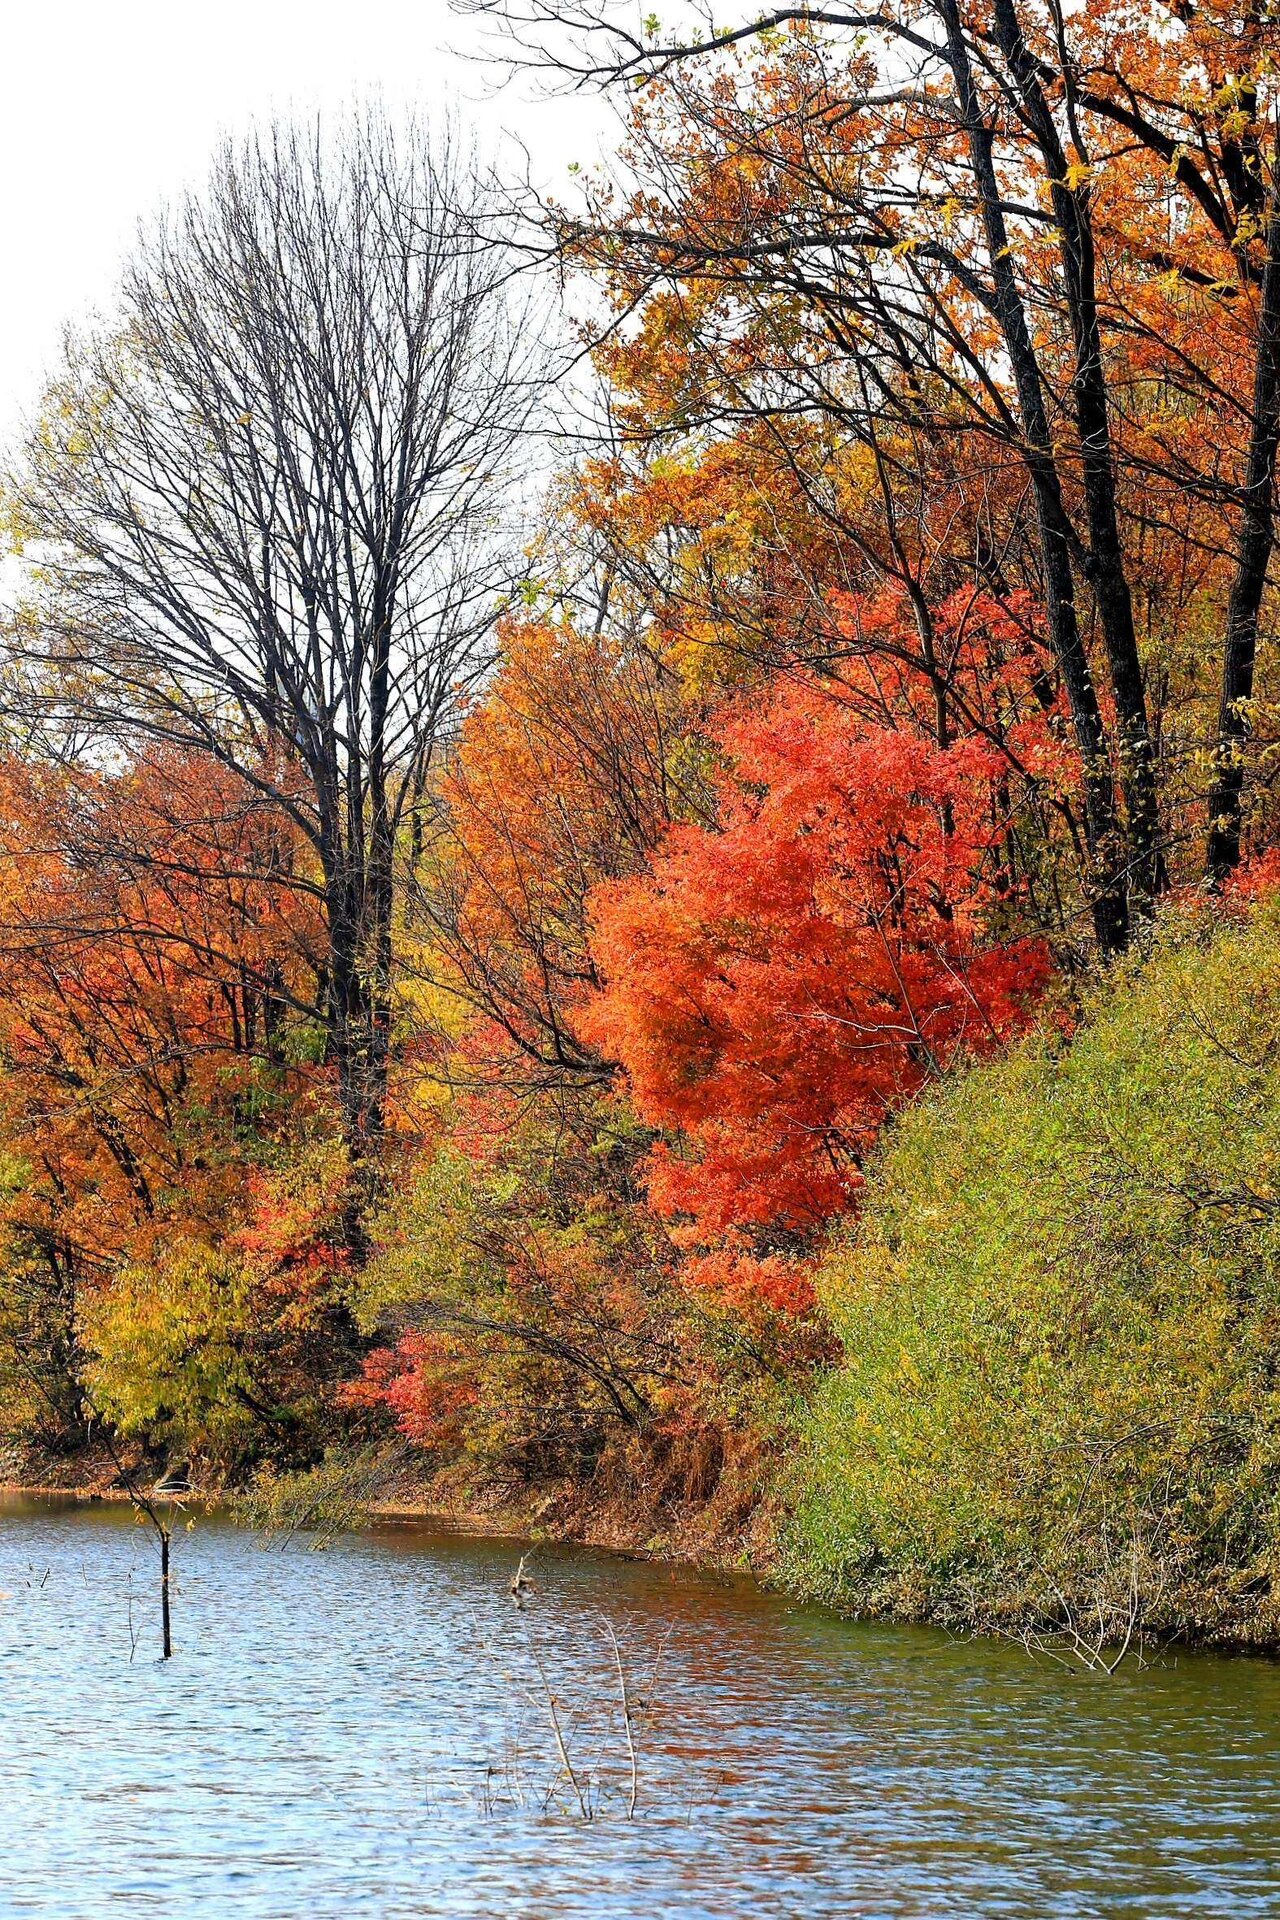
{"x":639,"y":847}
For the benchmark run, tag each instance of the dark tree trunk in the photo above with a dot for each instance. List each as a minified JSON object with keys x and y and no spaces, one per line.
{"x":1103,"y":837}
{"x":1253,"y":557}
{"x":166,"y":1631}
{"x":1104,"y":565}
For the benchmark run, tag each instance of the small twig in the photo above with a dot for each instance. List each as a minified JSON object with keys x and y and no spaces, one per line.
{"x":133,"y":1638}
{"x":563,"y":1751}
{"x":626,"y":1717}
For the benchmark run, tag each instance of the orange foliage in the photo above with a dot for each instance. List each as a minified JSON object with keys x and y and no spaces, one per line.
{"x":561,"y":779}
{"x":151,"y":932}
{"x":777,"y":985}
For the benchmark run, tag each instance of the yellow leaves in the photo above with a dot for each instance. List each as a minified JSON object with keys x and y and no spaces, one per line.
{"x":1248,"y":228}
{"x":164,"y":1340}
{"x":1078,"y":175}
{"x":1235,"y":106}
{"x":420,"y":993}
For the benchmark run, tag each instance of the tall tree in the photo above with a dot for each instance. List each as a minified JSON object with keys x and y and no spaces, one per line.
{"x":271,"y":502}
{"x":782,"y":979}
{"x":939,"y":216}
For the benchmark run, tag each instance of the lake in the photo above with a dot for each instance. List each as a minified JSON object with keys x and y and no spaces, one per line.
{"x":369,"y":1730}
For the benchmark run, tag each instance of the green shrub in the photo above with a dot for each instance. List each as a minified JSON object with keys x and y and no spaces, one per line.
{"x":1058,"y":1405}
{"x":165,"y":1352}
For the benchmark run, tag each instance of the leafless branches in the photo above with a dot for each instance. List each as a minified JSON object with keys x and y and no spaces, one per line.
{"x":592,"y":1731}
{"x":276,"y":506}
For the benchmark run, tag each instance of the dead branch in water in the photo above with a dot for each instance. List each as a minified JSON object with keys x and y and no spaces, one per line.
{"x":591,"y":1734}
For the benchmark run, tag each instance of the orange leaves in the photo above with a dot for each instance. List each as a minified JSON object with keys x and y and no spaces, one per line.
{"x":560,"y":780}
{"x":781,"y":1286}
{"x":778,"y":985}
{"x":152,"y":927}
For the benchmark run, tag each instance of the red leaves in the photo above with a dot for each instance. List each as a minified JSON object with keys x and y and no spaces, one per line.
{"x":777,"y":986}
{"x":1256,"y":879}
{"x":421,"y":1382}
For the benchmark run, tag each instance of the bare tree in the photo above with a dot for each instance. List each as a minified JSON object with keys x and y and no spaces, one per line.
{"x":275,"y":505}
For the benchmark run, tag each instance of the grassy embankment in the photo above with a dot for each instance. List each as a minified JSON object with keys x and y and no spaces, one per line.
{"x":1060,"y":1310}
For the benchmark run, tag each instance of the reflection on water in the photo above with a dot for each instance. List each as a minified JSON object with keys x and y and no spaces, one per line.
{"x":360,"y":1732}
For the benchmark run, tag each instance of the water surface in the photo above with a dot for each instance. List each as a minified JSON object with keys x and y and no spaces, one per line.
{"x":365,"y":1731}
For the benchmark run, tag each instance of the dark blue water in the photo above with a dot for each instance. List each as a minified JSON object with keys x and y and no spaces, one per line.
{"x":367,"y":1731}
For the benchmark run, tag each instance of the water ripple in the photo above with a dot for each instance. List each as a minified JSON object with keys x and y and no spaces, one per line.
{"x":350,"y":1733}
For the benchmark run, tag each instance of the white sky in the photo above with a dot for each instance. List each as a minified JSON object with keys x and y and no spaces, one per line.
{"x":108,"y":107}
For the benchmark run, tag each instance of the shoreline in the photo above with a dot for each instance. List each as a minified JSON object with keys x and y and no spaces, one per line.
{"x":594,"y":1532}
{"x":492,"y":1526}
{"x":608,"y":1531}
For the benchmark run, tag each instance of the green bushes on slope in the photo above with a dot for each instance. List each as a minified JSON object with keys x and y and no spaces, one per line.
{"x":1058,"y":1404}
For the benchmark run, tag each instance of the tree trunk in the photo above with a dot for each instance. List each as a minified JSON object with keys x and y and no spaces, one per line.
{"x":1103,"y":838}
{"x":166,"y":1633}
{"x":1253,"y":557}
{"x":1104,"y":566}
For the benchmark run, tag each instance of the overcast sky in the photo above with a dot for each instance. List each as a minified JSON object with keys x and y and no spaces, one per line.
{"x":108,"y":107}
